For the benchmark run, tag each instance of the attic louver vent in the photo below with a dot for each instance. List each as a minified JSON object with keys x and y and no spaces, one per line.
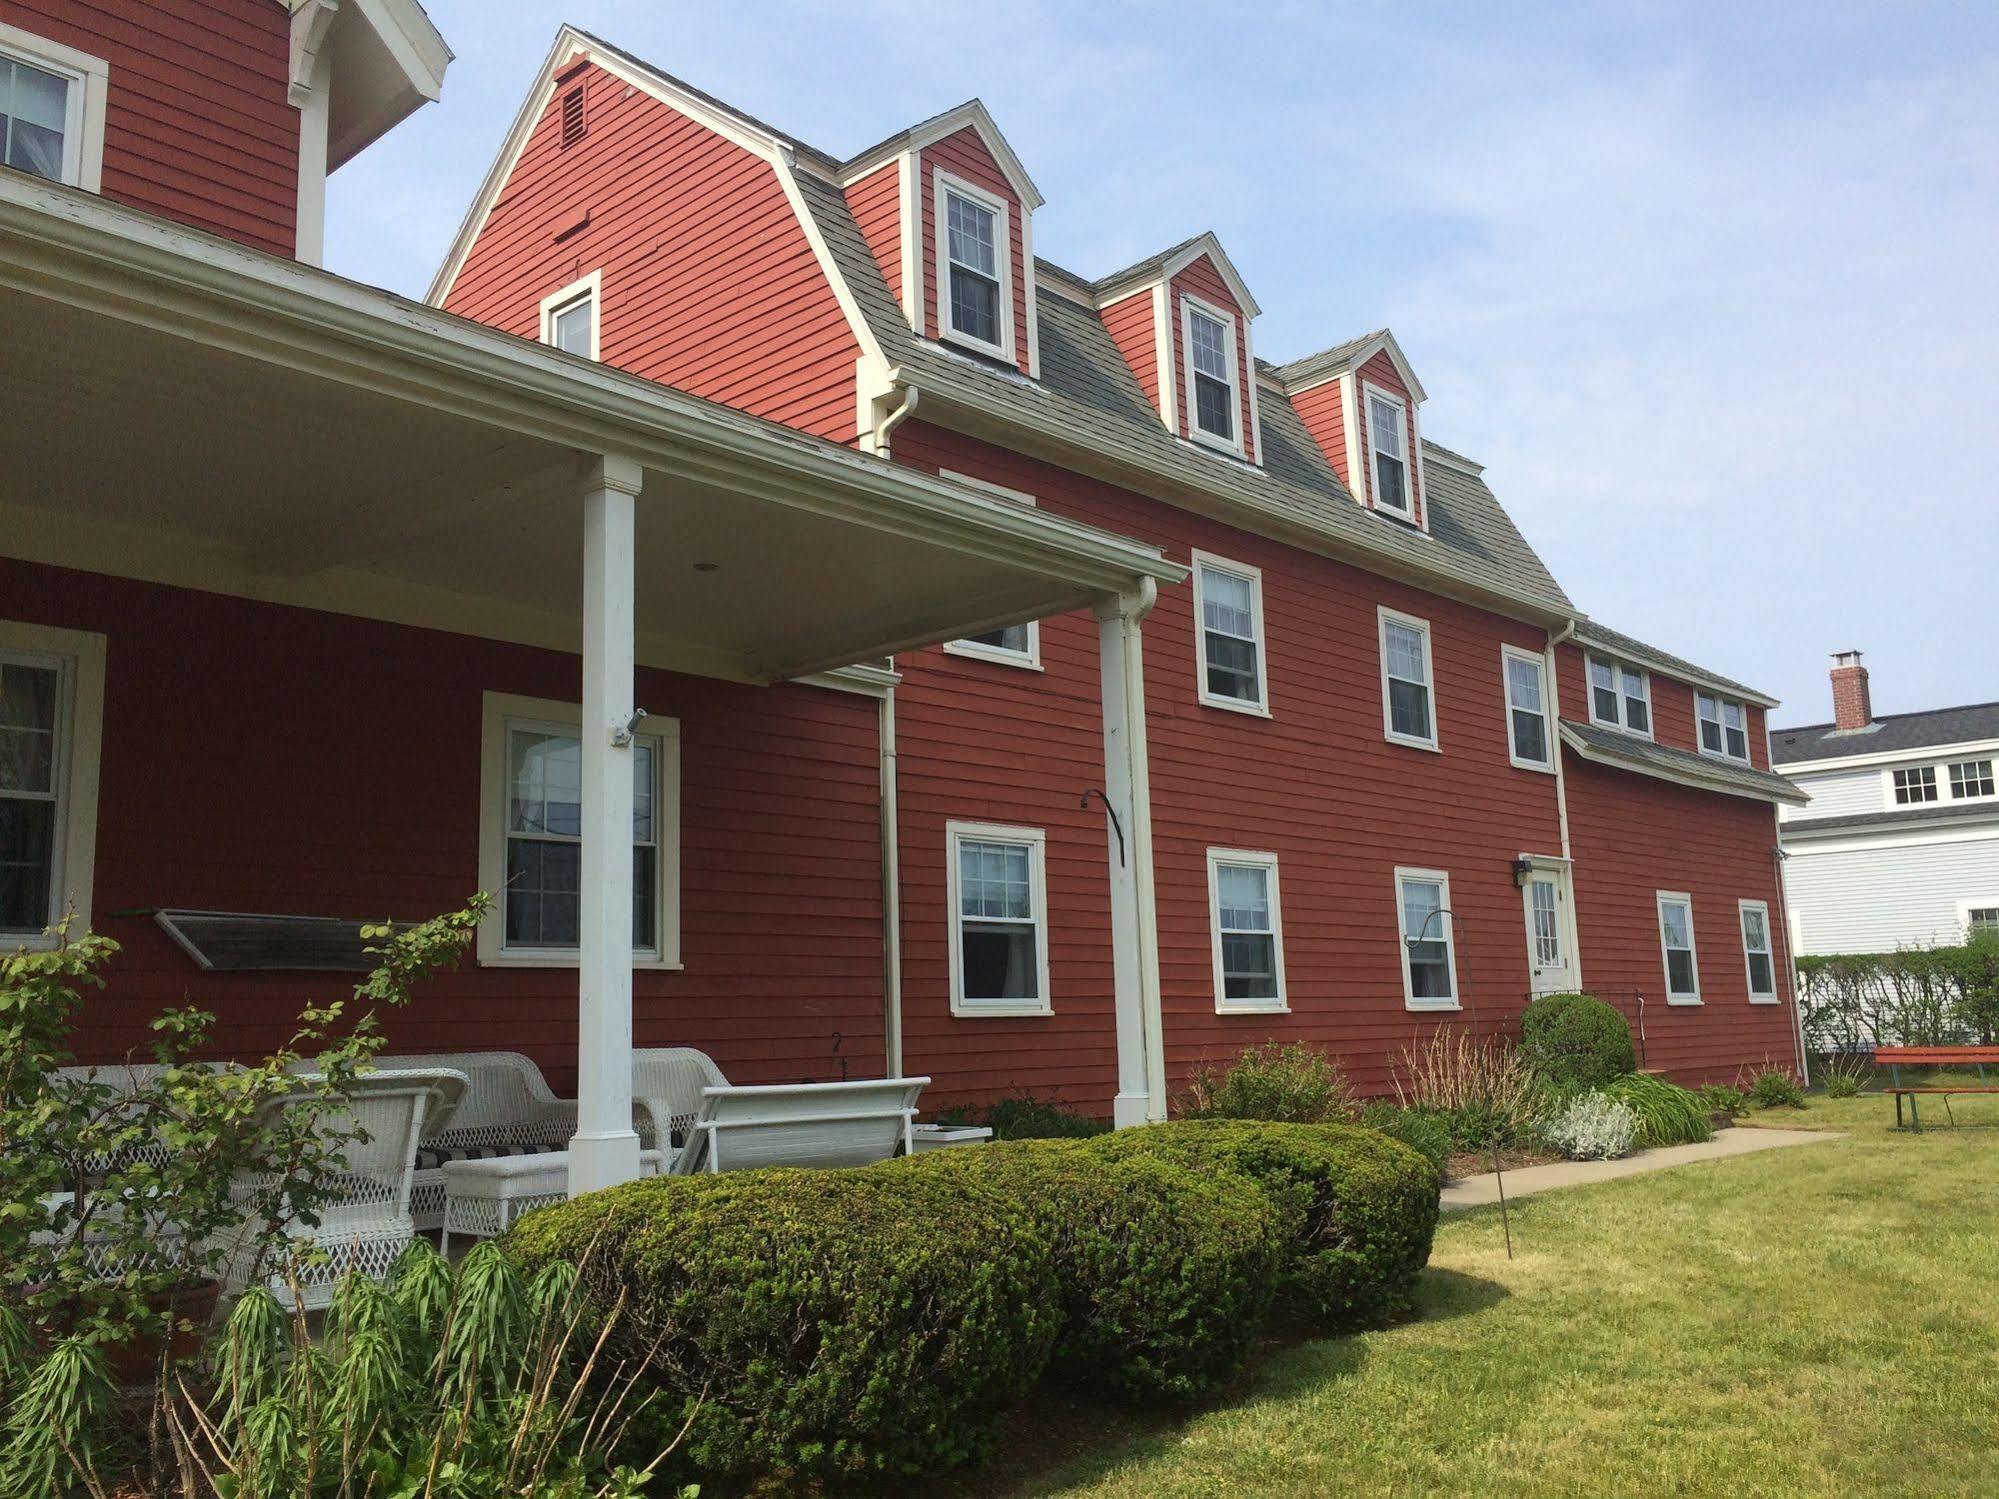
{"x":573,"y":124}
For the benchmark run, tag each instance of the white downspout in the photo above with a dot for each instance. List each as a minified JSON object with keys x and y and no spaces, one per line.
{"x":1555,"y":638}
{"x":891,"y":861}
{"x":887,"y":422}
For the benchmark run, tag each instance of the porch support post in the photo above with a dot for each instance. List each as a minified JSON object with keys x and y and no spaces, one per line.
{"x":1141,"y":1095}
{"x":604,"y":1150}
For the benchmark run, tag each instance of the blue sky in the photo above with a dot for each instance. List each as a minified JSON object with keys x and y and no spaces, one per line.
{"x":1712,"y":291}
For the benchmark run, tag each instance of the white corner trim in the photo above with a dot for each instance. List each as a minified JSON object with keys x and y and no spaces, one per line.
{"x":1248,"y":859}
{"x":591,"y":286}
{"x":1202,"y":562}
{"x":942,"y":182}
{"x":89,"y":79}
{"x":1385,"y":616}
{"x":1742,"y":910}
{"x":1359,"y":481}
{"x":1036,"y":841}
{"x":1444,"y":930}
{"x":1661,"y":899}
{"x":1189,"y":305}
{"x":910,"y":211}
{"x":1162,"y":334}
{"x":79,"y":656}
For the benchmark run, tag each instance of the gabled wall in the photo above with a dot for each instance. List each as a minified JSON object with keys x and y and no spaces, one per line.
{"x":1380,"y":371}
{"x":876,"y":204}
{"x":964,"y":154}
{"x":1200,"y":279}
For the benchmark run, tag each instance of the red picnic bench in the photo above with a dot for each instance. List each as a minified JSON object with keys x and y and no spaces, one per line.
{"x":1895,"y":1058}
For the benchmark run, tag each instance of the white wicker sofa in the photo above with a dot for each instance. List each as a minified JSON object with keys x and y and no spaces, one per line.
{"x":509,"y":1109}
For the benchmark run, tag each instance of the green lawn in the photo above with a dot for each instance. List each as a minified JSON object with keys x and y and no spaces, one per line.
{"x":1823,"y":1319}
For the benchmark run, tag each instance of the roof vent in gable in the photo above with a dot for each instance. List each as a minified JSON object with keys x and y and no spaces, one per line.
{"x":574,"y":125}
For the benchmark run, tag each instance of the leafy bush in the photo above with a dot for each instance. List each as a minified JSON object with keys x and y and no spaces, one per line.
{"x":809,"y":1325}
{"x":1484,"y":1088}
{"x":1917,"y":996}
{"x":1667,"y":1113}
{"x":1591,"y":1127}
{"x":1428,"y":1134}
{"x":1025,"y":1117}
{"x":1719,"y":1098}
{"x":1294,"y":1084}
{"x":1576,"y":1040}
{"x":1357,"y":1210}
{"x":1163,"y":1275}
{"x":1773,"y":1088}
{"x":1843,"y":1073}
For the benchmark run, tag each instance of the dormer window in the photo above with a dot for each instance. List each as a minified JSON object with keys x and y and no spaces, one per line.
{"x":972,"y":268}
{"x":1620,"y":697}
{"x":1387,"y":424}
{"x":1213,"y":395}
{"x":1724,"y":727}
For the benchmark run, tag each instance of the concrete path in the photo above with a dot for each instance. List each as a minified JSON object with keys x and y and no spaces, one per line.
{"x":1480,"y":1191}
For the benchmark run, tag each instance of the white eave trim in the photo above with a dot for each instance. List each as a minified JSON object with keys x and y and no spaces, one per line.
{"x":1657,"y":665}
{"x":973,"y":114}
{"x":1384,"y":340}
{"x":1923,"y":754}
{"x":1688,"y":777}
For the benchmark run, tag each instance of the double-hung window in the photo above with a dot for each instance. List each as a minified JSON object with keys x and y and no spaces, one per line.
{"x":1529,"y":745}
{"x":1228,"y":597}
{"x":51,"y":710}
{"x":1970,"y":778}
{"x":1248,"y":930}
{"x":1724,"y":727}
{"x":1407,"y":702}
{"x":1620,"y":697}
{"x":1213,"y":391}
{"x":51,"y":109}
{"x":1010,"y":645}
{"x":1916,"y":784}
{"x":1429,"y":946}
{"x":1981,"y":920}
{"x":569,"y":318}
{"x":1676,"y":941}
{"x":531,"y":835}
{"x":1388,"y":450}
{"x":1761,"y":961}
{"x":998,"y":889}
{"x":973,"y":267}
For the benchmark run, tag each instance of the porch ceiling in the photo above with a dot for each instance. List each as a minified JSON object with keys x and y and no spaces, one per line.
{"x":190,"y":412}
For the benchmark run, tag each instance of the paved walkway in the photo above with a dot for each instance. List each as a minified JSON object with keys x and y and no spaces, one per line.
{"x":1480,"y":1191}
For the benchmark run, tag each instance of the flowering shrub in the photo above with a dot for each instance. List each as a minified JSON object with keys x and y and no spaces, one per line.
{"x":1591,"y":1127}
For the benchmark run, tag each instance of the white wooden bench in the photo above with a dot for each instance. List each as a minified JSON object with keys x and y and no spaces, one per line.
{"x":801,"y":1124}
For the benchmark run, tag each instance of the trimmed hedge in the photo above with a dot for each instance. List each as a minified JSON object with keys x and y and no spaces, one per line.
{"x":1358,"y":1209}
{"x":815,"y":1324}
{"x":1576,"y":1041}
{"x":1423,"y":1131}
{"x":1667,"y":1113}
{"x":1164,"y":1276}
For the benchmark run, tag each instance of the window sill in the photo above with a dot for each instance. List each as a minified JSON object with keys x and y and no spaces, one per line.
{"x":1726,"y":758}
{"x":999,"y":1010}
{"x":1201,"y":437}
{"x":35,"y":941}
{"x":1689,"y":1001}
{"x":1244,"y":1007}
{"x":990,"y":653}
{"x":1438,"y":1006}
{"x":1233,"y":705}
{"x":1618,"y":728}
{"x":1538,"y":766}
{"x":571,"y":960}
{"x":1409,"y":742}
{"x":1765,"y":999}
{"x":1004,"y":354}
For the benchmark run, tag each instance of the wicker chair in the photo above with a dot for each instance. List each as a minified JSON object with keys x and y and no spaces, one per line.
{"x":508,"y":1110}
{"x":667,"y":1083}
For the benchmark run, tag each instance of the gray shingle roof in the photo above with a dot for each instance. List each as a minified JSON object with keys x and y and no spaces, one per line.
{"x":1887,"y":735}
{"x":1987,"y":811}
{"x":1331,"y":361}
{"x":1632,"y":649}
{"x":1150,"y":264}
{"x":1612,"y":747}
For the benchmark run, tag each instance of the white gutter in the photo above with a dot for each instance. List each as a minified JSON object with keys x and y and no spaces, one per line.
{"x":1555,"y":638}
{"x":891,"y":870}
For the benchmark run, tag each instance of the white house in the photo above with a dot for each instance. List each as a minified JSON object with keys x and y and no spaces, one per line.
{"x":1899,"y":844}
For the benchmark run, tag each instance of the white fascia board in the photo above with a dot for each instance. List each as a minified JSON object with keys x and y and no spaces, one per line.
{"x":1964,"y":749}
{"x":1678,"y":777}
{"x":972,"y":113}
{"x":1657,"y":666}
{"x":1211,"y":247}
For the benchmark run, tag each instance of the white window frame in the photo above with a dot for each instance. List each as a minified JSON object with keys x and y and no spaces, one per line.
{"x":943,"y":182}
{"x":78,"y":657}
{"x":1036,"y":841}
{"x":590,"y":286}
{"x":1201,"y":562}
{"x":1742,"y":909}
{"x":89,"y":79}
{"x":1591,"y":660}
{"x":1940,"y":785}
{"x":501,"y":713}
{"x":1369,"y":394}
{"x":1973,"y":903}
{"x":1383,"y":617}
{"x":1242,"y":858}
{"x":1449,"y":937}
{"x":1703,"y":701}
{"x":1660,"y":900}
{"x":1189,"y":305}
{"x":1950,"y":781}
{"x":1029,"y":659}
{"x":1507,"y":655}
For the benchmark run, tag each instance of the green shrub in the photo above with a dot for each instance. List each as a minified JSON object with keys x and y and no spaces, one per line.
{"x":1164,"y":1275}
{"x":1428,"y":1134}
{"x":1667,"y":1113}
{"x":1576,"y":1041}
{"x":1294,"y":1084}
{"x":810,"y":1325}
{"x":1358,"y":1210}
{"x":1843,"y":1073}
{"x":1025,"y":1117}
{"x":1719,"y":1098}
{"x":1776,"y":1089}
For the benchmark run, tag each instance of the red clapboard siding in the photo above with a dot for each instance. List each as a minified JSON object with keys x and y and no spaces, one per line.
{"x":709,"y":283}
{"x":197,"y":127}
{"x":1315,"y":784}
{"x":876,"y":203}
{"x":1673,"y":719}
{"x":1202,"y":279}
{"x":963,"y":154}
{"x":1380,"y":370}
{"x":1130,"y":325}
{"x":1634,"y":836}
{"x":1324,"y":415}
{"x":263,"y":758}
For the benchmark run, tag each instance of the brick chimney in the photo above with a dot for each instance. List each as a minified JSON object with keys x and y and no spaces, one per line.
{"x":1852,"y":705}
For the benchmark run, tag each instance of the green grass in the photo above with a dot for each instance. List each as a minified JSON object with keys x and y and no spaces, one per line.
{"x":1815,"y":1320}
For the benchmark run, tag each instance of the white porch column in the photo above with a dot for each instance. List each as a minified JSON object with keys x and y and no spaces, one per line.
{"x":1141,"y":1095}
{"x":604,"y":1150}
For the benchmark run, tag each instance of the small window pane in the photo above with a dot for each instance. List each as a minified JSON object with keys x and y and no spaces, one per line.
{"x":1213,"y":400}
{"x":993,"y":881}
{"x":1210,"y":346}
{"x":975,"y":305}
{"x":999,"y":962}
{"x":27,"y":863}
{"x":972,"y":241}
{"x":1917,"y":785}
{"x":34,"y":113}
{"x":1409,"y":709}
{"x":1249,"y":966}
{"x":1387,"y":427}
{"x":1603,"y":692}
{"x":1242,"y":894}
{"x":1012,"y":638}
{"x":1680,"y":970}
{"x":1674,"y":917}
{"x":569,"y":329}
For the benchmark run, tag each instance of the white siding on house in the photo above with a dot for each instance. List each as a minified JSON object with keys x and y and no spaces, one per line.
{"x":1854,"y":895}
{"x":1840,"y":793}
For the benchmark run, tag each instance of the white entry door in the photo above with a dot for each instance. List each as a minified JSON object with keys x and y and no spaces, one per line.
{"x":1551,"y":954}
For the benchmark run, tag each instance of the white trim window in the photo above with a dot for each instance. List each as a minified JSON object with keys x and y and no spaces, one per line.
{"x":1009,"y":645}
{"x":1676,"y":947}
{"x":974,"y":266}
{"x":52,"y":101}
{"x":1970,"y":779}
{"x":1423,"y":922}
{"x":51,"y":735}
{"x":570,"y":318}
{"x":997,"y":880}
{"x":1388,"y":452}
{"x":1529,"y":745}
{"x":1214,"y":385}
{"x":1758,"y":957}
{"x":1724,"y":727}
{"x":1408,"y":700}
{"x":1915,"y":785}
{"x":531,"y":843}
{"x":1246,"y":919}
{"x":1979,"y":917}
{"x":1228,"y":605}
{"x":1620,"y":696}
